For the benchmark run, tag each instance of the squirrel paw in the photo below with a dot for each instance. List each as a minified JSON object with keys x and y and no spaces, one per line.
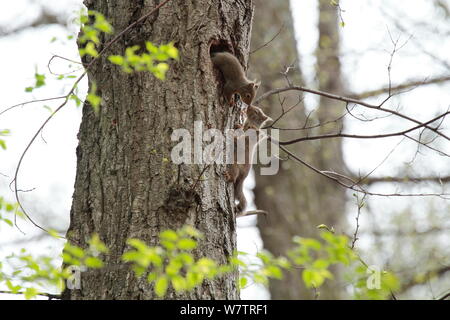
{"x":232,"y":102}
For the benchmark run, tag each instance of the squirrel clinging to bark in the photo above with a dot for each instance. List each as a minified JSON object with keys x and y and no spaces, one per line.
{"x":237,"y":172}
{"x":235,"y":79}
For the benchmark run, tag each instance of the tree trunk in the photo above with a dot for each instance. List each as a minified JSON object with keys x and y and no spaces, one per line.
{"x":297,"y":199}
{"x":125,"y":187}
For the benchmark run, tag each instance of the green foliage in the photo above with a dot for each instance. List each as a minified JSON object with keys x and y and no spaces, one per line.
{"x":93,"y":99}
{"x":3,"y":133}
{"x":152,"y":60}
{"x":33,"y":273}
{"x":92,"y":24}
{"x":76,"y":256}
{"x":39,"y":82}
{"x":75,"y":98}
{"x":315,"y":257}
{"x":172,"y":263}
{"x":8,"y":209}
{"x":373,"y":284}
{"x":266,"y":268}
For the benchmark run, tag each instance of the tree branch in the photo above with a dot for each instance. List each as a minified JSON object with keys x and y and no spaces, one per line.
{"x":45,"y":18}
{"x":351,"y":100}
{"x":408,"y":85}
{"x":406,"y":179}
{"x":48,"y":295}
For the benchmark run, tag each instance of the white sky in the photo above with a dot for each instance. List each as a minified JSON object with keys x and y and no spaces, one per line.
{"x":49,"y":166}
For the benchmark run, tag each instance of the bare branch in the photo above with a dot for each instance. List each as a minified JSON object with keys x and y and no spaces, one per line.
{"x":268,"y":42}
{"x":46,"y":18}
{"x":355,"y":136}
{"x":350,"y":100}
{"x":354,"y":186}
{"x":406,"y":179}
{"x":48,"y":295}
{"x":412,"y":84}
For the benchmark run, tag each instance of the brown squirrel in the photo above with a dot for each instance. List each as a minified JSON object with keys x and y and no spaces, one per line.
{"x":235,"y":79}
{"x":236,"y":172}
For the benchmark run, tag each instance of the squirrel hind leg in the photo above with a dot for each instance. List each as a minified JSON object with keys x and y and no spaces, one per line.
{"x":239,"y":195}
{"x":228,"y":92}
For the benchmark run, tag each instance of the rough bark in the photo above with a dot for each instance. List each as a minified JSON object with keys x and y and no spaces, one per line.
{"x":297,"y":199}
{"x":124,"y":186}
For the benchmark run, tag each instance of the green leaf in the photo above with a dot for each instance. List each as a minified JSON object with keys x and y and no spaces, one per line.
{"x":172,"y":51}
{"x":187,"y":244}
{"x":311,"y":278}
{"x":243,"y":282}
{"x":151,"y":277}
{"x":30,"y":293}
{"x":53,"y":233}
{"x":192,"y":232}
{"x":169,"y":235}
{"x":76,"y":99}
{"x":320,"y":264}
{"x":179,"y":283}
{"x":161,"y":285}
{"x":173,"y":268}
{"x":273,"y":271}
{"x":186,"y":258}
{"x":48,"y":108}
{"x":138,"y":244}
{"x":119,"y":60}
{"x":160,"y":70}
{"x":93,"y":262}
{"x":40,"y":80}
{"x":93,"y":99}
{"x":260,"y":278}
{"x":151,"y":47}
{"x":169,"y":245}
{"x":96,"y":244}
{"x":74,"y":250}
{"x":89,"y":49}
{"x":9,"y":222}
{"x":308,"y":243}
{"x":13,"y":288}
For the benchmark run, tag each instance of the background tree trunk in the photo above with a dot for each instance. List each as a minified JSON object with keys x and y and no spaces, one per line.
{"x":297,"y":199}
{"x":125,"y":187}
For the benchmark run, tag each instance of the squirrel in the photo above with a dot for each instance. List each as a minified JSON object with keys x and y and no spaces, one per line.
{"x":236,"y":172}
{"x":235,"y":79}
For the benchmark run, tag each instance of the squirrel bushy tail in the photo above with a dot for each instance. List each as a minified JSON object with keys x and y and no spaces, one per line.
{"x":239,"y":195}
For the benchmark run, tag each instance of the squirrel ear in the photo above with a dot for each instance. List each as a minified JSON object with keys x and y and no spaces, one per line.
{"x":256,"y":84}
